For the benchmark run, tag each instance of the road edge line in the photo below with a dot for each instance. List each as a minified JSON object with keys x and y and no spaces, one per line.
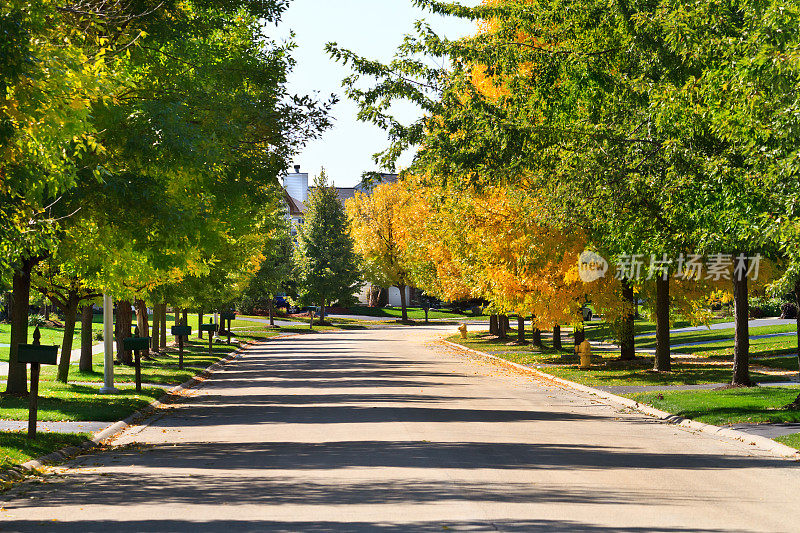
{"x":762,"y":443}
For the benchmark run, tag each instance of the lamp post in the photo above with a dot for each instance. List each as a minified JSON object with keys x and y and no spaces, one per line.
{"x":108,"y":346}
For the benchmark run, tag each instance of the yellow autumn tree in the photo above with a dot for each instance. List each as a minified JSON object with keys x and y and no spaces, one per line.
{"x":373,"y":222}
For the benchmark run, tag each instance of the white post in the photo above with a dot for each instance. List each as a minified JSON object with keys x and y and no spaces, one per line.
{"x":108,"y":345}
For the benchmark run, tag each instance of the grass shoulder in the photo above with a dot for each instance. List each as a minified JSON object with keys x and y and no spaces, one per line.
{"x":60,"y":402}
{"x":790,"y":440}
{"x":16,"y":448}
{"x":753,"y":405}
{"x":607,"y":370}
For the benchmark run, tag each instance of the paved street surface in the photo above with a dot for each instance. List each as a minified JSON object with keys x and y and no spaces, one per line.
{"x":380,"y":430}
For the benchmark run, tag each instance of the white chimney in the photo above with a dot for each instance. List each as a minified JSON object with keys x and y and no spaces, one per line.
{"x":296,"y":184}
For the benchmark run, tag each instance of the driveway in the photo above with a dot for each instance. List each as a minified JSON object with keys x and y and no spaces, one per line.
{"x":385,"y":430}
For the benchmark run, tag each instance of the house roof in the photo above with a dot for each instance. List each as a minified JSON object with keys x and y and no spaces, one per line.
{"x":296,"y":207}
{"x":344,"y":193}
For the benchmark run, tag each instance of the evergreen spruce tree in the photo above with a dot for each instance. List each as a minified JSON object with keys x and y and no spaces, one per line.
{"x":326,"y":262}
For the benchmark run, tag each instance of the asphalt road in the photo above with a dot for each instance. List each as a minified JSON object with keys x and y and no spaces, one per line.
{"x":379,"y":430}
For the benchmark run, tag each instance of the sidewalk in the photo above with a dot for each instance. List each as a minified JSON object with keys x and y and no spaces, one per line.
{"x":755,"y":323}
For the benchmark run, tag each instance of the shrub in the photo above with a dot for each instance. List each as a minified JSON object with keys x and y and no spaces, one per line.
{"x":789,"y":310}
{"x":763,"y":307}
{"x":36,"y":320}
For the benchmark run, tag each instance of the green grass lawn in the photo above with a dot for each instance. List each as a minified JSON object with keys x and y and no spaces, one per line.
{"x":729,"y":406}
{"x":772,"y":346}
{"x":522,"y":354}
{"x":790,"y":440}
{"x":600,"y":330}
{"x":60,"y":402}
{"x":50,"y":336}
{"x":163,"y":370}
{"x":614,"y":373}
{"x":785,"y":363}
{"x":16,"y":448}
{"x":710,"y":335}
{"x":607,"y":370}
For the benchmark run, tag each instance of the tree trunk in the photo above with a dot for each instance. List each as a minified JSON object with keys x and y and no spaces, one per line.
{"x":663,"y":362}
{"x":199,"y":322}
{"x":70,"y":314}
{"x":383,"y":297}
{"x":162,"y":316}
{"x":627,"y":344}
{"x":6,"y":314}
{"x":20,"y":302}
{"x":185,"y":322}
{"x":143,"y":323}
{"x":372,"y":296}
{"x":271,"y":311}
{"x":741,"y":342}
{"x":403,"y":303}
{"x":521,"y":329}
{"x":578,"y":334}
{"x":493,"y":329}
{"x":87,"y":320}
{"x":123,"y":330}
{"x":502,"y":331}
{"x":557,"y":337}
{"x":536,"y":339}
{"x":156,"y":328}
{"x":177,"y":320}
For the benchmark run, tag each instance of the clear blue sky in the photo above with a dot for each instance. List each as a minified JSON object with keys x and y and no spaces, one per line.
{"x":372,"y":28}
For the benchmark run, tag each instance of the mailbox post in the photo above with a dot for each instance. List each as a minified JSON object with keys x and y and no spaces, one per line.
{"x":229,"y":316}
{"x":210,"y":328}
{"x":182,"y":331}
{"x":36,"y":355}
{"x":137,"y":344}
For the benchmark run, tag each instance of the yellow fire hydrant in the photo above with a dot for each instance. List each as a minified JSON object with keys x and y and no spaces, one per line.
{"x":463,"y":330}
{"x":585,"y":351}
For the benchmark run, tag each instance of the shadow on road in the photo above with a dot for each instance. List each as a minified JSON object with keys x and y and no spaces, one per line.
{"x":238,"y":526}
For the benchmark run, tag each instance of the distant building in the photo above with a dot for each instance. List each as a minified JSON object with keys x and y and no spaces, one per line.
{"x":296,"y":190}
{"x":296,"y":187}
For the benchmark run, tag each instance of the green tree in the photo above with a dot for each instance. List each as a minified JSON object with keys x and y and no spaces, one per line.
{"x":53,"y":69}
{"x":326,"y":263}
{"x":621,"y":116}
{"x":275,"y":274}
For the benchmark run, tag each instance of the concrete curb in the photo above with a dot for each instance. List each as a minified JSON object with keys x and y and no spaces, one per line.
{"x":19,"y":471}
{"x":762,"y":443}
